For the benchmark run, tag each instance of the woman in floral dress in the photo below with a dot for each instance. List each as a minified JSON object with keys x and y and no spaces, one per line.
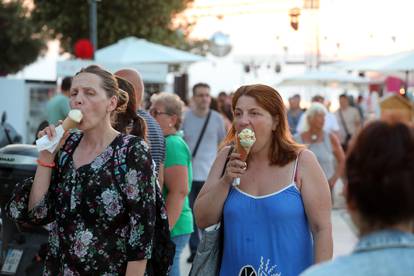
{"x":97,"y":192}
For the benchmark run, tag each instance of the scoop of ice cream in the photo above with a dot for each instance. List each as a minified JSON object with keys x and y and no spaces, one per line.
{"x":75,"y":115}
{"x":247,"y":138}
{"x":73,"y":119}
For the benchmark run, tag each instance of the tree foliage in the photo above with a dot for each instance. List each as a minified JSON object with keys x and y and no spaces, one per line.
{"x":68,"y":21}
{"x":20,"y":41}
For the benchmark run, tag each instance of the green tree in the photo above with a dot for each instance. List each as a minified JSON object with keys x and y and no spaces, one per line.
{"x":68,"y":21}
{"x":20,"y":41}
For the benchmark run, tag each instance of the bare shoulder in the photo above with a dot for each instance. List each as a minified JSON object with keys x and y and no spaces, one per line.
{"x":306,"y":157}
{"x":310,"y":172}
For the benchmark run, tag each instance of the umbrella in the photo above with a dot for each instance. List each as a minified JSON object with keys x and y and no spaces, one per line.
{"x":324,"y":78}
{"x":134,"y":50}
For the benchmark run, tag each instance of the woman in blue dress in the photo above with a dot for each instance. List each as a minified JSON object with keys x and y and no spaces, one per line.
{"x":277,"y":221}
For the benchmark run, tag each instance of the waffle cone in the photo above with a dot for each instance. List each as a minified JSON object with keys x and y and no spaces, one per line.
{"x":68,"y":123}
{"x":242,"y":151}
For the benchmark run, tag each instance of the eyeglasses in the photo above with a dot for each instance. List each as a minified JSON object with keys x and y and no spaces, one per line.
{"x":154,"y":112}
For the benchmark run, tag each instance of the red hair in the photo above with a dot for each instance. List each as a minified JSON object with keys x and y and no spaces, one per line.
{"x":283,"y":148}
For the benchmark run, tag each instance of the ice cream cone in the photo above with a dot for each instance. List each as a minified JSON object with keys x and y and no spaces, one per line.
{"x":72,"y":120}
{"x":244,"y":152}
{"x":244,"y":142}
{"x":68,"y":123}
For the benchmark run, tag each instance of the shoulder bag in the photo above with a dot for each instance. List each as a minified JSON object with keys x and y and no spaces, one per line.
{"x":207,"y":260}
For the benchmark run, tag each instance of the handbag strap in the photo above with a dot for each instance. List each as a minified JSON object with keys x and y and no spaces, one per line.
{"x":343,"y":122}
{"x":227,"y":160}
{"x":201,"y":134}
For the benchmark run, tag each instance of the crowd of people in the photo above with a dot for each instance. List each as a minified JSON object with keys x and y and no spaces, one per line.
{"x":98,"y":191}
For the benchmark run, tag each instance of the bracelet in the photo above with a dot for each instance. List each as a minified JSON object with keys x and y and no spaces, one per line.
{"x":44,"y":164}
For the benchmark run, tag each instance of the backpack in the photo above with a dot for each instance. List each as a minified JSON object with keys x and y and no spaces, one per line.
{"x":163,"y":248}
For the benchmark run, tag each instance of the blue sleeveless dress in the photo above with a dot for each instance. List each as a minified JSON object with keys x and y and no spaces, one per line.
{"x":266,"y":235}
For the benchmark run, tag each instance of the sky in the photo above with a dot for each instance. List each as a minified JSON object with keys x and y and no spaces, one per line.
{"x":347,"y":29}
{"x":260,"y":33}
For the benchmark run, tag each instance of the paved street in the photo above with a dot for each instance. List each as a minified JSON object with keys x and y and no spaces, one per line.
{"x":344,"y":236}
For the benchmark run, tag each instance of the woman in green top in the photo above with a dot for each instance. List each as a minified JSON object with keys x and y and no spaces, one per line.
{"x":167,"y":109}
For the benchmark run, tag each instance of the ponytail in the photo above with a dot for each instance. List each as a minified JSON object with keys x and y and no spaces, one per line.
{"x":129,"y":119}
{"x":139,"y":126}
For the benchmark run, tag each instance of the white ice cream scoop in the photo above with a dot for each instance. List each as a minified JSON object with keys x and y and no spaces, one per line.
{"x":72,"y":120}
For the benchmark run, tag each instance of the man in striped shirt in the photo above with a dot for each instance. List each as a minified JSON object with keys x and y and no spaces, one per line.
{"x":155,"y":136}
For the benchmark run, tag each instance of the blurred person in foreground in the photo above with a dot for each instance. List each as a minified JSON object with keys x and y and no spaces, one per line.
{"x":324,"y":145}
{"x":278,"y":220}
{"x":379,"y":194}
{"x":167,"y":109}
{"x":97,"y":191}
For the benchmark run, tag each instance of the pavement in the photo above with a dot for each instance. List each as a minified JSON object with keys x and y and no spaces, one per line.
{"x":343,"y":230}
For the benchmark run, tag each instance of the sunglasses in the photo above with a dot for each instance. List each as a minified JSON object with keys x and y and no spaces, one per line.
{"x":154,"y":112}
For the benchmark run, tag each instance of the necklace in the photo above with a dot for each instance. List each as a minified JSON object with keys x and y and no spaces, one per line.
{"x":314,"y":137}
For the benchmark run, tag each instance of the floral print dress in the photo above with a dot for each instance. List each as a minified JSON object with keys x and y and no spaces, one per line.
{"x":101,"y":215}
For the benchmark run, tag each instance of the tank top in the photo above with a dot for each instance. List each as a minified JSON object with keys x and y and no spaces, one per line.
{"x":324,"y":154}
{"x":266,"y":235}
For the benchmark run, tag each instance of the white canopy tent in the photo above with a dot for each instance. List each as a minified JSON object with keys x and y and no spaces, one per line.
{"x":324,"y":78}
{"x":151,"y":73}
{"x":150,"y":59}
{"x":400,"y":62}
{"x":135,"y":50}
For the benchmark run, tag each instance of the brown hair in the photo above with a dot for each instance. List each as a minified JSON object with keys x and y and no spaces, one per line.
{"x":123,"y":120}
{"x":380,"y":173}
{"x":283,"y":148}
{"x":109,"y":84}
{"x":200,"y":85}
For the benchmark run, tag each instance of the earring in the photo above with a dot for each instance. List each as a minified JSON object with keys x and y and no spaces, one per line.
{"x":170,"y":125}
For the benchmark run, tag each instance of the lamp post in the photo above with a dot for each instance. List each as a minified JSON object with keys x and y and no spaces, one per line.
{"x":93,"y":32}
